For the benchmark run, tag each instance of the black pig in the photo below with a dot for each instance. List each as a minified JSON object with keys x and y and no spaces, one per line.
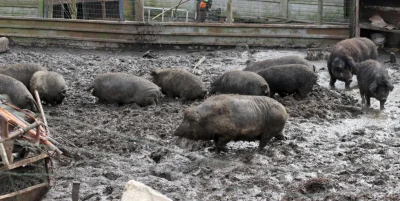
{"x":373,"y":81}
{"x":261,"y":65}
{"x":17,"y":93}
{"x":22,"y":71}
{"x":51,"y":87}
{"x":121,"y":88}
{"x":240,"y":82}
{"x":225,"y":118}
{"x":179,"y":83}
{"x":344,"y":56}
{"x":289,"y":79}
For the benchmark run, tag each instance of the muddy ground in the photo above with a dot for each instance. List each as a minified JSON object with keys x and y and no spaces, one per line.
{"x":336,"y":149}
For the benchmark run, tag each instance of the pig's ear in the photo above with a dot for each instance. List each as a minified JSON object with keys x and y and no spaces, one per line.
{"x":154,"y":72}
{"x":372,"y":86}
{"x":352,"y":64}
{"x":191,"y":115}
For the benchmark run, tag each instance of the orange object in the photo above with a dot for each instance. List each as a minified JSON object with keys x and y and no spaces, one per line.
{"x":203,"y":4}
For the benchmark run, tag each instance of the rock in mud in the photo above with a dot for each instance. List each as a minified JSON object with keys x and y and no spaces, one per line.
{"x":135,"y":190}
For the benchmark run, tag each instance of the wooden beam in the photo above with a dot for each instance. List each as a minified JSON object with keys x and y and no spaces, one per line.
{"x":24,"y":191}
{"x":139,"y":10}
{"x":24,"y":162}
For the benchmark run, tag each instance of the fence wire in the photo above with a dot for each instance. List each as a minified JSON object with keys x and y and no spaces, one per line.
{"x":246,"y":11}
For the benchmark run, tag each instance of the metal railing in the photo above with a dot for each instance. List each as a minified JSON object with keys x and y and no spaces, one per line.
{"x":149,"y":9}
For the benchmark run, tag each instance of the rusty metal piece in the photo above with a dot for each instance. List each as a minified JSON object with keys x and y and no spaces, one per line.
{"x":13,"y":118}
{"x":21,"y":131}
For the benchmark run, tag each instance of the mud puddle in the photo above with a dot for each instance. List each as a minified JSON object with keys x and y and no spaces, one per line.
{"x":336,"y":148}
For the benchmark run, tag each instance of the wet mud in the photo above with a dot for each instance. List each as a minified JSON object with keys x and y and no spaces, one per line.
{"x":336,"y":149}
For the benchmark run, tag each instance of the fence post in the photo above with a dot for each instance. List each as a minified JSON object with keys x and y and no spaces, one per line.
{"x":121,"y":10}
{"x":41,"y":8}
{"x":103,"y":10}
{"x":139,"y":10}
{"x":285,"y":5}
{"x":229,"y":17}
{"x":320,"y":11}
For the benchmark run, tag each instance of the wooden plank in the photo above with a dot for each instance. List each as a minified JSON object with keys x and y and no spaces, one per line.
{"x":366,"y":25}
{"x":30,"y":193}
{"x":24,"y":162}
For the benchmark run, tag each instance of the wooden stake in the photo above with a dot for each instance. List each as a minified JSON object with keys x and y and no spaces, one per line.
{"x":199,"y":63}
{"x":75,"y":190}
{"x":39,"y":102}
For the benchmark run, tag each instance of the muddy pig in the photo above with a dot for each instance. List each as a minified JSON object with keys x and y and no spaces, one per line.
{"x":17,"y":93}
{"x":344,"y":56}
{"x":179,"y":83}
{"x":51,"y":87}
{"x":240,"y":82}
{"x":261,"y":65}
{"x":121,"y":88}
{"x":225,"y":118}
{"x":22,"y":72}
{"x":289,"y":79}
{"x":373,"y":81}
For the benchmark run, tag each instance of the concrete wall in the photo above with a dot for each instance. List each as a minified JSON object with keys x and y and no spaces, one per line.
{"x":334,"y":10}
{"x":22,"y":8}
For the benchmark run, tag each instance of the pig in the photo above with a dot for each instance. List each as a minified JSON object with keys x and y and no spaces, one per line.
{"x":121,"y":88}
{"x":240,"y":82}
{"x":21,"y":71}
{"x":373,"y":81}
{"x":179,"y":83}
{"x":51,"y":87}
{"x":289,"y":79}
{"x":261,"y":65}
{"x":17,"y":93}
{"x":231,"y":117}
{"x":344,"y":56}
